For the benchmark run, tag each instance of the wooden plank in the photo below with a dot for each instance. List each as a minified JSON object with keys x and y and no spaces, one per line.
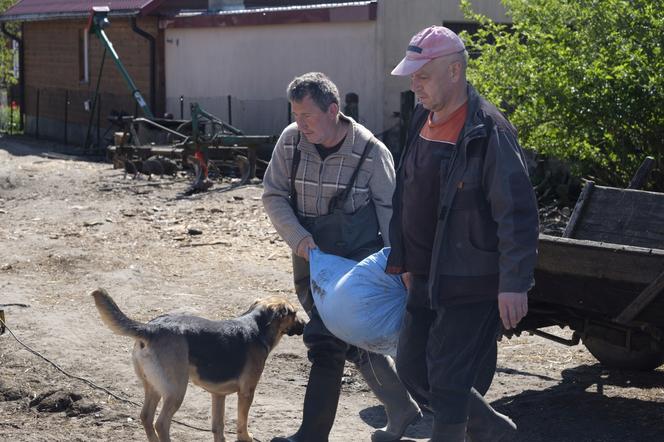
{"x":641,"y":301}
{"x":599,"y":279}
{"x":590,"y":259}
{"x":615,"y":265}
{"x":592,"y":298}
{"x":584,"y":197}
{"x":595,"y":297}
{"x":623,"y":216}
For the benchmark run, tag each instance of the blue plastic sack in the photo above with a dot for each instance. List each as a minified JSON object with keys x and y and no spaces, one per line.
{"x":358,"y":302}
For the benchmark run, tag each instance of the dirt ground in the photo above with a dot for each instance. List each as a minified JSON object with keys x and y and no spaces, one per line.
{"x":69,"y":225}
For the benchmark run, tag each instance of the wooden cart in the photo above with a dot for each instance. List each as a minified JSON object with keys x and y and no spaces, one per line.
{"x":605,"y":277}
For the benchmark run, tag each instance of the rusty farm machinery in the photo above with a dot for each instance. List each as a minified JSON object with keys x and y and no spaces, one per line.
{"x":208,"y":146}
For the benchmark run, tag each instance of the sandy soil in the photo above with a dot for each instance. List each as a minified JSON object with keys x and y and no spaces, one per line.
{"x":68,"y":225}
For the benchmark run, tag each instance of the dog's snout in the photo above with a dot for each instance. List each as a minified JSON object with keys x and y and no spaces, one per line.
{"x":298,"y":326}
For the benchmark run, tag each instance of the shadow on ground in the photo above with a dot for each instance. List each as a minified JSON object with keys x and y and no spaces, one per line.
{"x":20,"y":145}
{"x":375,"y":416}
{"x":584,"y":407}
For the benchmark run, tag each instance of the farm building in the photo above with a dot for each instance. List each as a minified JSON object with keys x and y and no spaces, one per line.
{"x":233,"y":57}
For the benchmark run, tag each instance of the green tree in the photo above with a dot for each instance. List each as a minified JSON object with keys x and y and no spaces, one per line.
{"x":583,"y":80}
{"x":6,"y":53}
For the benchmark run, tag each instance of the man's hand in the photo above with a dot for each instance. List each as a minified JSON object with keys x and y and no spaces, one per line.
{"x":304,"y":246}
{"x":406,"y":278}
{"x":513,"y":307}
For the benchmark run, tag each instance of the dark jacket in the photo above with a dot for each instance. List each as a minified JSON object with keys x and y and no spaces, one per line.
{"x":486,"y":236}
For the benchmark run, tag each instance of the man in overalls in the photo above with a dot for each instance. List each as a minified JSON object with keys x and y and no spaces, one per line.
{"x":329,"y":185}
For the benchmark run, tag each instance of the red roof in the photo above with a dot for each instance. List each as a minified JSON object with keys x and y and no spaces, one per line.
{"x":28,"y":10}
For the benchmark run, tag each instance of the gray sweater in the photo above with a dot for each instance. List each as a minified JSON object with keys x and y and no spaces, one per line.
{"x":317,"y":181}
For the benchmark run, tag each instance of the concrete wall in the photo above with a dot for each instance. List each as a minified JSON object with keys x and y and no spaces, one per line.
{"x":254,"y":64}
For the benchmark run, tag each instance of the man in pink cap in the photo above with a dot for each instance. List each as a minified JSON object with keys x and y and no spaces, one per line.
{"x":464,"y":236}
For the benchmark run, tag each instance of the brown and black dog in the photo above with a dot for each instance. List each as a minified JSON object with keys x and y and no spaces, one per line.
{"x":222,"y":357}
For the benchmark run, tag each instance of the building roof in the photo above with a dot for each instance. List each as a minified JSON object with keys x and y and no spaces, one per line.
{"x":314,"y":12}
{"x":32,"y":10}
{"x":270,"y":3}
{"x":299,"y":7}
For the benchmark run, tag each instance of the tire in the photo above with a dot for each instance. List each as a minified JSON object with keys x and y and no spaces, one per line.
{"x":648,"y":356}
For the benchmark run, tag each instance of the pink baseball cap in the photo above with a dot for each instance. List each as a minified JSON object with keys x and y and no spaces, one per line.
{"x":429,"y":43}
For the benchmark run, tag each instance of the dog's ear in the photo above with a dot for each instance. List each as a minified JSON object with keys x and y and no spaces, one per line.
{"x":277,"y":312}
{"x":255,"y":303}
{"x":283,"y":311}
{"x":253,"y":306}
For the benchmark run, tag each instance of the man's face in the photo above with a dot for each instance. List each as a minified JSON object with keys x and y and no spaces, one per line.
{"x":433,"y":83}
{"x":316,"y":126}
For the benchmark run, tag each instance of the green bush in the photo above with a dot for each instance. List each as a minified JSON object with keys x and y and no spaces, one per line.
{"x":10,"y":118}
{"x":583,"y":80}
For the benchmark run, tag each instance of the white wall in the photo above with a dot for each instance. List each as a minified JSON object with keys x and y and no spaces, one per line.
{"x":399,"y":20}
{"x":255,"y":64}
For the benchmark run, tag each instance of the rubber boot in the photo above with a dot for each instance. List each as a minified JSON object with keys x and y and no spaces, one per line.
{"x":485,"y":424}
{"x":448,"y":432}
{"x":320,"y":404}
{"x":380,"y":374}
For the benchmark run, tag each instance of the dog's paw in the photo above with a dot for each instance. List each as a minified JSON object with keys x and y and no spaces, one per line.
{"x":247,"y":437}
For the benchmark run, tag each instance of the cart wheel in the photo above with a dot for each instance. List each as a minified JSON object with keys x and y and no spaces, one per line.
{"x":646,"y":358}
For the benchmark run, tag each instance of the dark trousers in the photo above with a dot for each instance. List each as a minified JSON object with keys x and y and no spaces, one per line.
{"x":443,"y":353}
{"x":325,"y":348}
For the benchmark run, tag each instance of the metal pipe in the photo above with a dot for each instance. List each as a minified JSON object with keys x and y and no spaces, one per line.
{"x":234,"y":130}
{"x":149,"y":122}
{"x":568,"y":342}
{"x":66,"y":15}
{"x":98,"y":121}
{"x":153,"y":62}
{"x":37,"y":117}
{"x":135,"y":92}
{"x":230,"y":111}
{"x":66,"y":113}
{"x":94,"y":100}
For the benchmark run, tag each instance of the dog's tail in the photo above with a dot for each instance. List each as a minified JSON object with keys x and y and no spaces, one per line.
{"x":113,"y":317}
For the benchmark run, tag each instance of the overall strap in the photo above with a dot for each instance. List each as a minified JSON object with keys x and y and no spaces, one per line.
{"x":292,"y":195}
{"x":340,"y":198}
